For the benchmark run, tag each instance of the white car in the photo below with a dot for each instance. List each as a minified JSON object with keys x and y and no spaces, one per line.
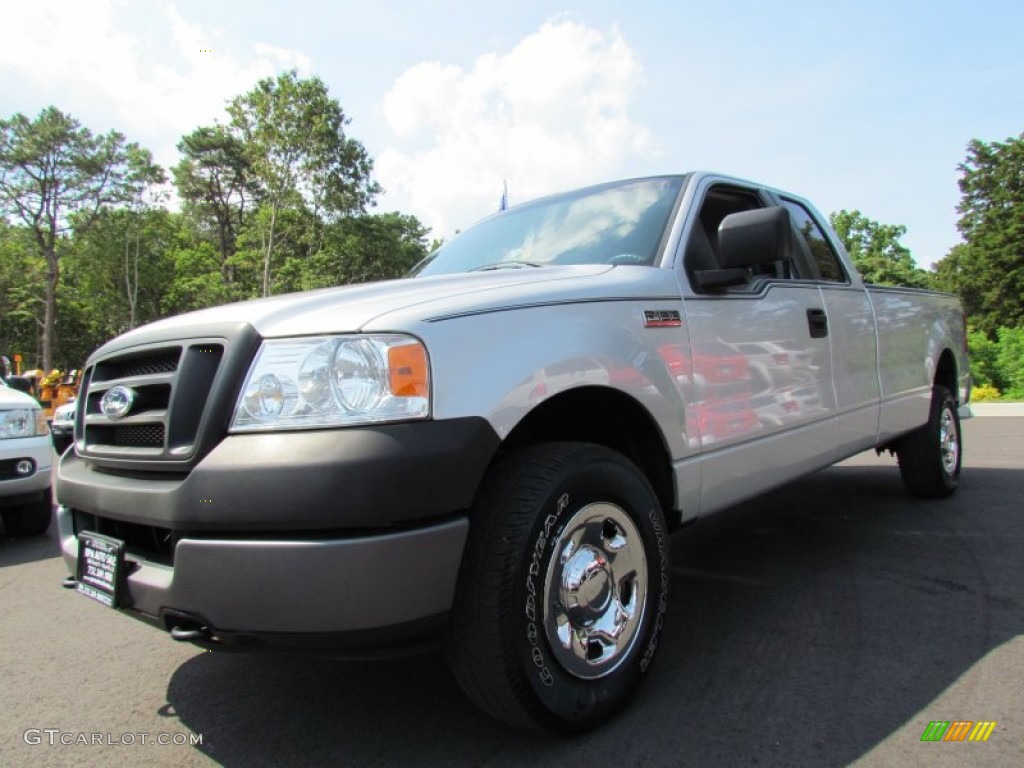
{"x":26,"y":462}
{"x":62,"y":428}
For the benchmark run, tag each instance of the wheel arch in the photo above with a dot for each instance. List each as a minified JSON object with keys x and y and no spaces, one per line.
{"x":607,"y":417}
{"x":946,"y":372}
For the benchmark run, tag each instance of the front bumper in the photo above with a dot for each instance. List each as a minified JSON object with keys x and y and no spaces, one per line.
{"x":281,"y":588}
{"x":315,"y":480}
{"x":277,"y":536}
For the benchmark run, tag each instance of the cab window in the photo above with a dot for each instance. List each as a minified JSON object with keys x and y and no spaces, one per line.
{"x":822,"y":254}
{"x":702,"y":251}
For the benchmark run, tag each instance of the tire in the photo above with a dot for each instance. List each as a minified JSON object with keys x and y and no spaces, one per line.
{"x":930,"y":457}
{"x":563,"y":588}
{"x":28,"y":519}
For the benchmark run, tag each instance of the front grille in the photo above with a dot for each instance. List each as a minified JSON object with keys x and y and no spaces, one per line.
{"x":130,"y":436}
{"x":143,"y":436}
{"x":181,"y":391}
{"x":148,"y":397}
{"x":168,"y":385}
{"x":149,"y":365}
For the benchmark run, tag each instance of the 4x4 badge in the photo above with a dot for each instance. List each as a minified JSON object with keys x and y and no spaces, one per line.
{"x":662,"y":318}
{"x":117,"y":401}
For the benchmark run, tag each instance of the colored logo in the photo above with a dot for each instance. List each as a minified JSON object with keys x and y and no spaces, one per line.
{"x":958,"y":730}
{"x":117,"y":401}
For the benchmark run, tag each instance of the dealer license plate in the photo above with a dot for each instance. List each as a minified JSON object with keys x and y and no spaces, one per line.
{"x":100,"y":567}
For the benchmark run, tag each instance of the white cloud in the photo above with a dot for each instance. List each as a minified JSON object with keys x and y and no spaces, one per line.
{"x":550,"y":114}
{"x":142,"y":69}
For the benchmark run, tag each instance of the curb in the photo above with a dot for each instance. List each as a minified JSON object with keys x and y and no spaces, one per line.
{"x":986,"y":410}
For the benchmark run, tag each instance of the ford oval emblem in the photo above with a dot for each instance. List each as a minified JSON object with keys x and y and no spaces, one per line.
{"x":117,"y":401}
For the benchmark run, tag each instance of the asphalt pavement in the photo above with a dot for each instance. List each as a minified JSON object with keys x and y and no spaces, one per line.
{"x":826,"y":623}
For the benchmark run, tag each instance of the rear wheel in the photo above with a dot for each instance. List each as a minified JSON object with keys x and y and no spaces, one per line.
{"x":563,"y":589}
{"x":930,"y":457}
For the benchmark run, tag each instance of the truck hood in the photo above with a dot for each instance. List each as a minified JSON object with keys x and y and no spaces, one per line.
{"x":355,"y":307}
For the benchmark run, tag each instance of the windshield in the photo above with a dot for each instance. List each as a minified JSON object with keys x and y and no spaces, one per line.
{"x":620,"y":223}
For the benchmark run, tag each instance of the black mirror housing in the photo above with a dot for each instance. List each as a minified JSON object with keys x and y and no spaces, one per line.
{"x":753,"y":238}
{"x":719,"y":279}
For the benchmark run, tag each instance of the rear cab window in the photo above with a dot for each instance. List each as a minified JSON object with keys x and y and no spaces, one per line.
{"x":823,"y":256}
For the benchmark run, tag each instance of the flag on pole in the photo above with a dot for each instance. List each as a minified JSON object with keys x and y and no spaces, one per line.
{"x":503,"y":205}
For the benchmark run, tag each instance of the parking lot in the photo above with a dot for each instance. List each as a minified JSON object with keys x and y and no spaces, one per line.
{"x":824,"y":624}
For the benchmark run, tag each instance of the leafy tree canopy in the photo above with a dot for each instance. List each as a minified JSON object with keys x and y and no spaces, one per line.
{"x":294,"y":137}
{"x":987,"y":270}
{"x":55,"y":174}
{"x":21,"y":291}
{"x":876,"y":250}
{"x":217,"y":186}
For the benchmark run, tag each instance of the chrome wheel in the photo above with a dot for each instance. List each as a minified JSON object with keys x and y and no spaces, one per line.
{"x":595,"y":591}
{"x":949,"y":441}
{"x":931,"y":455}
{"x":563,"y":588}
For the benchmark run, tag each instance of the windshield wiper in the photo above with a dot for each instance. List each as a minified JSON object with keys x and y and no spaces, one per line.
{"x":506,"y":265}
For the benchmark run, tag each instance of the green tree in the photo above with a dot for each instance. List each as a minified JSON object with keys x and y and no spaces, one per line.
{"x":55,"y":174}
{"x":876,"y":250}
{"x":983,"y":353}
{"x":119,"y":276}
{"x":960,"y":272}
{"x":217,"y":187}
{"x":21,"y":294}
{"x":197,"y":280}
{"x":987,"y":270}
{"x":298,"y":235}
{"x":1009,"y":362}
{"x":364,"y":248}
{"x":294,"y":138}
{"x":391,"y":245}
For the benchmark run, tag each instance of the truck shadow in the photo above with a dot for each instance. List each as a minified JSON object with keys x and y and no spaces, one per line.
{"x":805,"y":627}
{"x":29,"y":549}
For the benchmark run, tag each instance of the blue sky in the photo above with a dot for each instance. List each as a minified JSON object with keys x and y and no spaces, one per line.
{"x":866,"y":106}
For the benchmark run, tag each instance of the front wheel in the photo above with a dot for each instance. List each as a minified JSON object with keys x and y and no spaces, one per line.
{"x":563,"y":588}
{"x":930,"y":457}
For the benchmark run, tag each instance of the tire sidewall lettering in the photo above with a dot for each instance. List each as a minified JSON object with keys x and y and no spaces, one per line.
{"x":533,"y":634}
{"x":501,"y":649}
{"x":548,"y":531}
{"x":659,"y":621}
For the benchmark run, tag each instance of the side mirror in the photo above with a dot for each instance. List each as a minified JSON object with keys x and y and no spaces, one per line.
{"x":717,"y":279}
{"x":754,"y":238}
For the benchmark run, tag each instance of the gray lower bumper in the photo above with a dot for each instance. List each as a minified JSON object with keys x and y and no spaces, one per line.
{"x":296,"y":587}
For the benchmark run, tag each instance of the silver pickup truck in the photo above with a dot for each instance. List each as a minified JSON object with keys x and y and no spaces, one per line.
{"x":495,"y":450}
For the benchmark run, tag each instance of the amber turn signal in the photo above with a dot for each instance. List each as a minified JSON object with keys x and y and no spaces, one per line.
{"x":407,"y":371}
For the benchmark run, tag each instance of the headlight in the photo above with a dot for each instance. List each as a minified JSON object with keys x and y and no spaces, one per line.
{"x":65,"y":415}
{"x":328,"y":381}
{"x":23,"y":422}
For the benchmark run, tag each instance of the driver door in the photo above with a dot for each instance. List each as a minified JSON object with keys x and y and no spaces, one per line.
{"x":762,"y":369}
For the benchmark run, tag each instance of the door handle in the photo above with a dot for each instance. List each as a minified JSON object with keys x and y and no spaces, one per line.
{"x":817,"y":322}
